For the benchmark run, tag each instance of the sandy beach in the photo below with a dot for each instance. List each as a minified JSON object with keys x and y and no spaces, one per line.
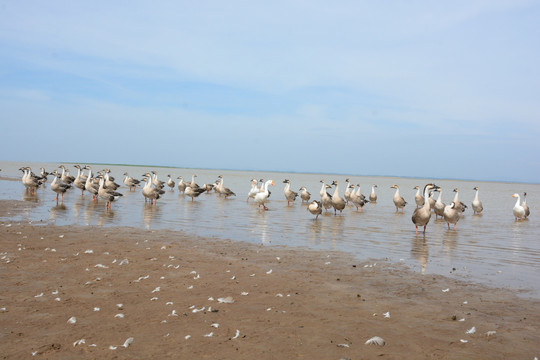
{"x":126,"y":293}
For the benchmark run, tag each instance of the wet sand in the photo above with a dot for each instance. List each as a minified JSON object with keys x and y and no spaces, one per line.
{"x":186,"y":297}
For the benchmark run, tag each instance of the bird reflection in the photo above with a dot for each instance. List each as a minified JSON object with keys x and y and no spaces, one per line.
{"x":105,"y":217}
{"x":420,"y":251}
{"x":450,"y":241}
{"x":262,"y":227}
{"x":57,"y":211}
{"x":29,"y":196}
{"x":149,"y":214}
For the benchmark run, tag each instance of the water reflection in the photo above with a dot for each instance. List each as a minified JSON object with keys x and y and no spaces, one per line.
{"x":150,"y":212}
{"x":420,"y":251}
{"x":29,"y":196}
{"x":57,"y":211}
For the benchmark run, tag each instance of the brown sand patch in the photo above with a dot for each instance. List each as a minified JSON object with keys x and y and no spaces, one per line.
{"x":299,"y":303}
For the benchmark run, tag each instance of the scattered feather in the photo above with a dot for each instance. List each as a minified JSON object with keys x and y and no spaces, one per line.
{"x":490,"y":333}
{"x":376,"y":340}
{"x":127,"y":342}
{"x":79,"y":342}
{"x":237,"y":334}
{"x":120,"y":316}
{"x":471,"y":330}
{"x":198,"y":310}
{"x":55,"y":292}
{"x":464,"y":341}
{"x":226,"y":300}
{"x":60,"y":236}
{"x":210,"y":298}
{"x":269,"y":272}
{"x":112,"y":347}
{"x":154,"y":298}
{"x":446,"y":290}
{"x":462,"y":319}
{"x":244,"y":293}
{"x":216,"y":325}
{"x":387,"y":314}
{"x":120,"y":306}
{"x":169,"y":303}
{"x":101,"y":266}
{"x":190,"y":287}
{"x":96,"y":309}
{"x":57,"y":299}
{"x":156,"y":289}
{"x":38,"y":295}
{"x":123,"y":262}
{"x":343,"y":345}
{"x":89,"y":251}
{"x":209,"y":334}
{"x":187,"y":337}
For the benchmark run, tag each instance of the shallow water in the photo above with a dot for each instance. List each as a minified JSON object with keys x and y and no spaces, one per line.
{"x":490,"y":248}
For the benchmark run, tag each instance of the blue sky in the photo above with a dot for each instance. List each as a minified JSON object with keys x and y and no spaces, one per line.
{"x":417,"y":88}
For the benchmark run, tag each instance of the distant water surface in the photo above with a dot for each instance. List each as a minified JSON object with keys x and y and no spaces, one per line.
{"x":490,"y":248}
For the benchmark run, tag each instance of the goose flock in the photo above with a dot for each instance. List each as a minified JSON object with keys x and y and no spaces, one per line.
{"x":103,"y":186}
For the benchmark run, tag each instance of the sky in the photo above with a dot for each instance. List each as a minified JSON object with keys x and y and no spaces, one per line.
{"x":431,"y":89}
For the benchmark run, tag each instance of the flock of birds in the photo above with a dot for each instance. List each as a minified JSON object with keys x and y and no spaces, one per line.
{"x":102,"y":185}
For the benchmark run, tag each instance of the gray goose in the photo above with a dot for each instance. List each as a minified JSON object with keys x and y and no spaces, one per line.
{"x":358,"y":199}
{"x":170,"y":182}
{"x":451,"y":215}
{"x":107,"y":194}
{"x":337,"y":202}
{"x":130,"y":182}
{"x":373,"y":195}
{"x":304,"y":194}
{"x":181,"y":184}
{"x":422,"y":214}
{"x":289,"y":194}
{"x":439,"y":206}
{"x":326,"y":198}
{"x":221,"y":189}
{"x":418,"y":198}
{"x":315,"y":207}
{"x":59,"y":187}
{"x":524,"y":205}
{"x":477,"y":204}
{"x":399,"y":201}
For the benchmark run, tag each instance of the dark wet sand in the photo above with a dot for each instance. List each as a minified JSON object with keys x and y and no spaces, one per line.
{"x":288,"y":303}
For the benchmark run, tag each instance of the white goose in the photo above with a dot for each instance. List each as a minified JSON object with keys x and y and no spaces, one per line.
{"x":262,"y":196}
{"x":348,"y":191}
{"x":254,"y":190}
{"x":181,"y":184}
{"x":519,"y":211}
{"x":130,"y":182}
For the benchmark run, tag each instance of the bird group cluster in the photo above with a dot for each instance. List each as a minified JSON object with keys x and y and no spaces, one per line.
{"x":422,"y":214}
{"x":102,"y":185}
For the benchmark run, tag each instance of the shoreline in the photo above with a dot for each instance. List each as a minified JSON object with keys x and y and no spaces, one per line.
{"x":286,"y":302}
